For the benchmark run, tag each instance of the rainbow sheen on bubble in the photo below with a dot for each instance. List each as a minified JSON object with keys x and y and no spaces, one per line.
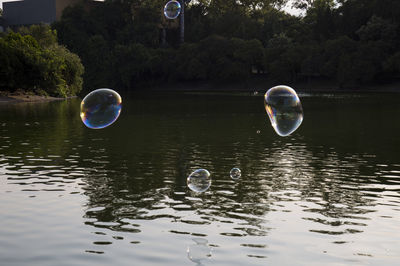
{"x":235,"y":173}
{"x":101,"y":108}
{"x":172,"y":9}
{"x":199,"y":180}
{"x":284,"y":109}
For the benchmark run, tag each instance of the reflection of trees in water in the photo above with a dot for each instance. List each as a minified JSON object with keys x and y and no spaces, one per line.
{"x":45,"y":126}
{"x":137,"y":169}
{"x":320,"y":174}
{"x":152,"y":185}
{"x":39,"y":143}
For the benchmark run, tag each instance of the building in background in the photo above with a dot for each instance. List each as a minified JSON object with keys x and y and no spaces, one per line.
{"x":28,"y":12}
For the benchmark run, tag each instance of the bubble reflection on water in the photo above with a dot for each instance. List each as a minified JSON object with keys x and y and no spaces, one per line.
{"x":199,"y":252}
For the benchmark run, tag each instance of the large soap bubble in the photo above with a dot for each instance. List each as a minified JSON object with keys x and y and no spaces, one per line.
{"x":284,"y":109}
{"x":172,"y":9}
{"x":100,"y":108}
{"x":199,"y":180}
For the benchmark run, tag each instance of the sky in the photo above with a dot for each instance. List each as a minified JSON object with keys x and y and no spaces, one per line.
{"x":287,"y":8}
{"x":1,"y":3}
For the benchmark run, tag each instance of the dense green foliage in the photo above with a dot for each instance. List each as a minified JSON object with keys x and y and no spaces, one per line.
{"x":350,"y":42}
{"x":32,"y":60}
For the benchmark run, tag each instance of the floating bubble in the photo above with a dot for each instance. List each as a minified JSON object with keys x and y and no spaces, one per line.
{"x":172,"y":9}
{"x":235,"y":173}
{"x":199,"y":180}
{"x":100,"y":108}
{"x":284,"y":109}
{"x":200,"y":251}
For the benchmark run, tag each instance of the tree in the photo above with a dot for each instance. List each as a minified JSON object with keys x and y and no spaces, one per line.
{"x":309,"y":4}
{"x":376,"y":29}
{"x":42,"y":33}
{"x":346,"y":41}
{"x":38,"y":64}
{"x":392,"y":65}
{"x":221,"y":6}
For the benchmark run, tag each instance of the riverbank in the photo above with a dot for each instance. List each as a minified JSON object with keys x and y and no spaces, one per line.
{"x":254,"y":86}
{"x":21,"y":96}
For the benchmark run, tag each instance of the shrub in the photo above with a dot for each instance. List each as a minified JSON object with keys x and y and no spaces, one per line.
{"x":32,"y":60}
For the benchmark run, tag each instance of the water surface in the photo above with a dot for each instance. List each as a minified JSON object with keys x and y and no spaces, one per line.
{"x":329,"y":194}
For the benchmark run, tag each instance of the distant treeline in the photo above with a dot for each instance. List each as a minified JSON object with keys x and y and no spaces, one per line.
{"x":351,"y":42}
{"x":120,"y":42}
{"x":32,"y":60}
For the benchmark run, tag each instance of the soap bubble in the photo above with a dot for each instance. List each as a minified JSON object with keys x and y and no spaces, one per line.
{"x":100,"y":108}
{"x":172,"y":9}
{"x":200,"y":251}
{"x":235,"y":173}
{"x":284,"y":109}
{"x":199,"y":180}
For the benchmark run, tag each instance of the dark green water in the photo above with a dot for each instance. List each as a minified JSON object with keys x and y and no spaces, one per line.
{"x":329,"y":194}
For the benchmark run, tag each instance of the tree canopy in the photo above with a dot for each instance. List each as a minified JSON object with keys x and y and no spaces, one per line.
{"x":349,"y":42}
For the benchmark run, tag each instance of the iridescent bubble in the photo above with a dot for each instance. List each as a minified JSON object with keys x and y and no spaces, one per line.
{"x":200,"y":251}
{"x":235,"y":173}
{"x":172,"y":9}
{"x":284,"y":109}
{"x":199,"y":180}
{"x":100,"y":108}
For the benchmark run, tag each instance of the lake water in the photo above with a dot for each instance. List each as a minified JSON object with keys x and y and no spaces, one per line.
{"x":329,"y":194}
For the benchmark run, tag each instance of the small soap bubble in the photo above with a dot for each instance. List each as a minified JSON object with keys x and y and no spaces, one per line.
{"x":235,"y":173}
{"x":255,"y":93}
{"x":172,"y":9}
{"x":100,"y":108}
{"x":284,"y":109}
{"x":199,"y":180}
{"x":258,"y":131}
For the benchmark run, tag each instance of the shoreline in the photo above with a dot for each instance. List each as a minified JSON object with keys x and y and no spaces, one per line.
{"x":26,"y":97}
{"x":254,"y":86}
